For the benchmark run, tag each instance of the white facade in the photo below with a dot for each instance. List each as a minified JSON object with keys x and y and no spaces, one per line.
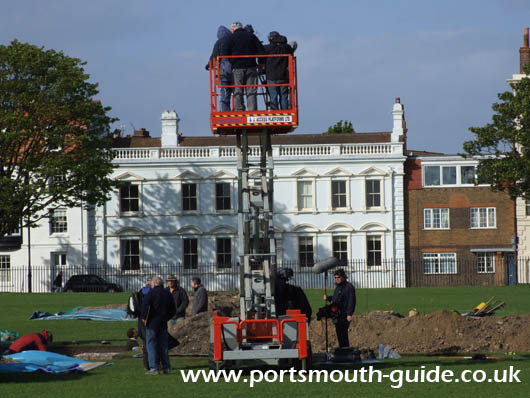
{"x":151,"y":220}
{"x":522,"y":214}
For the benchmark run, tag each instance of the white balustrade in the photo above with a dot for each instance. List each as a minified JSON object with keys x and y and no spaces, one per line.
{"x":283,"y":151}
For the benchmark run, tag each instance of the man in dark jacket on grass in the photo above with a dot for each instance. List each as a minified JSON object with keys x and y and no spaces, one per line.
{"x":200,"y":298}
{"x":277,"y":70}
{"x":225,"y":67}
{"x":244,"y":70}
{"x":344,"y":298}
{"x":180,"y":297}
{"x":158,"y":308}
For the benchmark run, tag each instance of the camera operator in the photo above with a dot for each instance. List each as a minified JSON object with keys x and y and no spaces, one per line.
{"x":344,"y":299}
{"x":289,"y":296}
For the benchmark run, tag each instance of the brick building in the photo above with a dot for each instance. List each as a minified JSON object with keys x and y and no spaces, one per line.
{"x":456,"y":233}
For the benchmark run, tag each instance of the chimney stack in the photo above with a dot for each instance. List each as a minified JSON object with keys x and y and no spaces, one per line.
{"x":170,"y":126}
{"x":524,"y":53}
{"x":400,"y":126}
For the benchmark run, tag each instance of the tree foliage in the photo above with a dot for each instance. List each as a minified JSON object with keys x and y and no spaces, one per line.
{"x":55,"y":138}
{"x":503,"y":146}
{"x":341,"y":127}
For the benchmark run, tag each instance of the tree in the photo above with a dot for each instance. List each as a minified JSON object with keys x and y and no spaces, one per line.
{"x":55,"y":138}
{"x":340,"y":128}
{"x":503,"y":146}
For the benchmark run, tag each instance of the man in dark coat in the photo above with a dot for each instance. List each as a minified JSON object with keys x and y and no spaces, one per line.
{"x":200,"y":298}
{"x":158,"y":308}
{"x":58,"y":282}
{"x":180,"y":297}
{"x":244,"y":70}
{"x":225,"y":67}
{"x":344,"y":298}
{"x":277,"y":70}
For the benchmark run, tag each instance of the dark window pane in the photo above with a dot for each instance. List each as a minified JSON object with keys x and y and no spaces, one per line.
{"x":432,"y":175}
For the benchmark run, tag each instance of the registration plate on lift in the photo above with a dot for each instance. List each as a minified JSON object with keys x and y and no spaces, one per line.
{"x":269,"y":119}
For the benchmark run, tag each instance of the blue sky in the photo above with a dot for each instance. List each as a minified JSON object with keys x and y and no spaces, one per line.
{"x":446,"y":60}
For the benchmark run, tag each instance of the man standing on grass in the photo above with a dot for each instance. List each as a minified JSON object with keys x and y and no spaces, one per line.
{"x":200,"y":298}
{"x":180,"y":297}
{"x":344,"y":298}
{"x":158,"y":308}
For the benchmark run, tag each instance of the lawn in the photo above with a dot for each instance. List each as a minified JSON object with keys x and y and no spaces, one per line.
{"x":125,"y":377}
{"x":22,"y":305}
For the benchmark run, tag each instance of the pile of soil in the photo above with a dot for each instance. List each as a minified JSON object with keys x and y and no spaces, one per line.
{"x":438,"y":332}
{"x":194,"y":332}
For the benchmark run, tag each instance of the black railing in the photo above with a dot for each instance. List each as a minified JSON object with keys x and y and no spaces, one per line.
{"x":390,"y":274}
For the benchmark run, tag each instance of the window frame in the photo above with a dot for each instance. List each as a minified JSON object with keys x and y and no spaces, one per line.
{"x":223,"y":264}
{"x":308,"y":256}
{"x":462,"y":175}
{"x":191,"y":255}
{"x":432,"y":211}
{"x":483,"y":261}
{"x":380,"y":194}
{"x":196,"y":197}
{"x":370,"y":250}
{"x":299,"y":194}
{"x":59,"y":222}
{"x":441,"y":176}
{"x":345,"y":194}
{"x":487,"y":218}
{"x":59,"y":255}
{"x":130,"y":198}
{"x":124,"y":256}
{"x":223,"y":197}
{"x":5,"y":269}
{"x":438,"y":257}
{"x":343,"y":239}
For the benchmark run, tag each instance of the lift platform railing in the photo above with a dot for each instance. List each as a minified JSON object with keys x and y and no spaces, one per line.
{"x":232,"y":121}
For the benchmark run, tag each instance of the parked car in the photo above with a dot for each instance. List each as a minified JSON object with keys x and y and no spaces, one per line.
{"x":90,"y":283}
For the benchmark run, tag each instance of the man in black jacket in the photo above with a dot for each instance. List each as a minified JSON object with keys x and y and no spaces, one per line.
{"x":344,"y":298}
{"x":277,"y":70}
{"x":180,"y":297}
{"x":158,"y":308}
{"x":243,"y":69}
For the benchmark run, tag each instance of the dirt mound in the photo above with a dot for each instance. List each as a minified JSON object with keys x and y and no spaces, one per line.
{"x":441,"y":331}
{"x":194,"y":332}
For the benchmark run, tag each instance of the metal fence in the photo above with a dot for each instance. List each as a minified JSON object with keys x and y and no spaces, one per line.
{"x":214,"y":278}
{"x":390,"y":274}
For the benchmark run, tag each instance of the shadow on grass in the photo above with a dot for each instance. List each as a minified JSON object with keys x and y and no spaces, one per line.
{"x":40,"y":377}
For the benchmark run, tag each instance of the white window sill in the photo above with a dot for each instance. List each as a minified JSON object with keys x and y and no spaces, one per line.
{"x":190,"y":213}
{"x":131,"y":214}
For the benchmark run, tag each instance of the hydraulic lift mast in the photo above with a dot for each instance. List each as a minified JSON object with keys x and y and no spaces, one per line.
{"x":258,"y":334}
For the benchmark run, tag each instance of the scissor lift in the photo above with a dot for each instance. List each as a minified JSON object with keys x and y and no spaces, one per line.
{"x":258,"y":335}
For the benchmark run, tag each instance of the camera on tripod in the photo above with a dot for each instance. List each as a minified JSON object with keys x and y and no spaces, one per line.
{"x":330,"y":311}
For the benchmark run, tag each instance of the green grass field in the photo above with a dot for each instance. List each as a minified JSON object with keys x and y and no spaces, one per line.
{"x":125,"y":377}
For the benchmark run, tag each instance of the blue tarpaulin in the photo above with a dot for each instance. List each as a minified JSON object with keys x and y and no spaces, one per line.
{"x":49,"y":362}
{"x":108,"y":314}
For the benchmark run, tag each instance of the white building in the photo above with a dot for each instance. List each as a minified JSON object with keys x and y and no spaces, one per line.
{"x":523,"y":205}
{"x":338,"y":195}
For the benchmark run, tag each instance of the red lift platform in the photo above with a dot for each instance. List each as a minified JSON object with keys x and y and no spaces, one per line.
{"x":276,"y":121}
{"x":259,"y":335}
